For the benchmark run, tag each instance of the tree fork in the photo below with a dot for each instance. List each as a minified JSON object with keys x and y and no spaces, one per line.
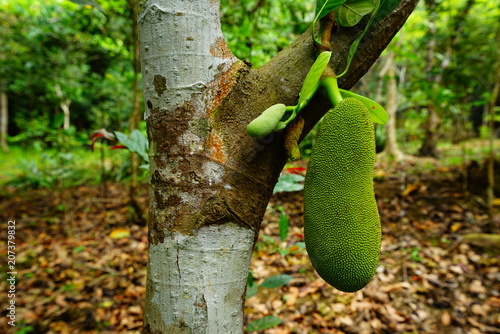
{"x":211,"y":182}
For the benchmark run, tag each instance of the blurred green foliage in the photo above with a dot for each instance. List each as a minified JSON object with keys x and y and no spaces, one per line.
{"x":257,"y":30}
{"x":36,"y":168}
{"x":87,"y":51}
{"x":460,"y":74}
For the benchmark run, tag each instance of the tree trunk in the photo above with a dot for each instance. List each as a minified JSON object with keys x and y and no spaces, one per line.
{"x":4,"y":119}
{"x":135,"y":117}
{"x":431,"y":126}
{"x":391,"y":151}
{"x":211,"y":182}
{"x":64,"y":104}
{"x":429,"y":145}
{"x":490,"y":191}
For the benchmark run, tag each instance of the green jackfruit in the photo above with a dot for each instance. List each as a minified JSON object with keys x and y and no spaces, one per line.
{"x":267,"y":121}
{"x":341,"y":220}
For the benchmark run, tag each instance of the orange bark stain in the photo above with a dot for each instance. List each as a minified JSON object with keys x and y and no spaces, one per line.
{"x":220,"y":49}
{"x":216,"y":148}
{"x":223,"y":83}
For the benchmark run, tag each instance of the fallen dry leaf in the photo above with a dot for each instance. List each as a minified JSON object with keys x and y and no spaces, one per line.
{"x":445,"y":318}
{"x":119,"y":233}
{"x":427,"y":282}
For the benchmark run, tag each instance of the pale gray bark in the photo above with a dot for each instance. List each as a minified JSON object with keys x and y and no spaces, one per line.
{"x":179,"y":41}
{"x":64,"y":103}
{"x":195,"y":281}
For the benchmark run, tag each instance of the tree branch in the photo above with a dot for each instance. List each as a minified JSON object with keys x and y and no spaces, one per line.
{"x":259,"y":161}
{"x":280,"y":80}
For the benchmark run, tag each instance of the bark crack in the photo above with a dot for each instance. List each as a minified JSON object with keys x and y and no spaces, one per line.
{"x":177,"y":261}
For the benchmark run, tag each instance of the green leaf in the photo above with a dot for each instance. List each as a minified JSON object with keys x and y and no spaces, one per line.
{"x":377,"y":112}
{"x":79,"y":249}
{"x":250,"y":280}
{"x":354,"y":45}
{"x":276,"y":281}
{"x":141,"y":144}
{"x":414,"y":254}
{"x":323,"y":7}
{"x":123,"y":138}
{"x":283,"y":224}
{"x":26,"y":330}
{"x":289,"y":182}
{"x":263,"y":323}
{"x":352,"y":11}
{"x":252,"y":287}
{"x":311,"y":81}
{"x":136,"y":143}
{"x":251,"y":291}
{"x":350,"y":55}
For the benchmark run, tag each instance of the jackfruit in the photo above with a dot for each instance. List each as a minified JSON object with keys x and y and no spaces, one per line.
{"x":341,"y":220}
{"x":267,"y":121}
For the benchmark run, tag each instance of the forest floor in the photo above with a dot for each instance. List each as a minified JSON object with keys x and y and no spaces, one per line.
{"x":81,"y":263}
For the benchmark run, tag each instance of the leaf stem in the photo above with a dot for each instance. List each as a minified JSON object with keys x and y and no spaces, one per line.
{"x":328,"y":77}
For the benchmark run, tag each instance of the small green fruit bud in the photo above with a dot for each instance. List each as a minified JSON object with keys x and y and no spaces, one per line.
{"x":267,"y":121}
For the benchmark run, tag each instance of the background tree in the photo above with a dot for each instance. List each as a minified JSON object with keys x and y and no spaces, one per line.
{"x":4,"y":117}
{"x":391,"y":151}
{"x":454,"y":77}
{"x":495,"y":94}
{"x":210,"y":181}
{"x":136,"y":114}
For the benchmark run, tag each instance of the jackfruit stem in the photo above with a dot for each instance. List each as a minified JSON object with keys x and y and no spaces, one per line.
{"x":332,"y":89}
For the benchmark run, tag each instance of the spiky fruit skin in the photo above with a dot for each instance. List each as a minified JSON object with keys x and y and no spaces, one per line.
{"x":341,"y":220}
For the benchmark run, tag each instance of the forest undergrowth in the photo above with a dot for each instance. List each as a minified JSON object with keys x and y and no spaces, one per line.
{"x":81,"y":262}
